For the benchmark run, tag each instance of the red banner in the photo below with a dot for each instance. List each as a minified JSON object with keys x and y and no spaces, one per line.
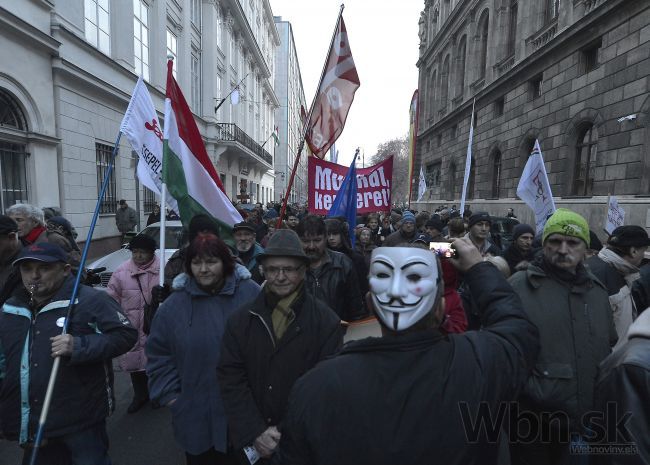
{"x":335,"y":94}
{"x":373,"y":185}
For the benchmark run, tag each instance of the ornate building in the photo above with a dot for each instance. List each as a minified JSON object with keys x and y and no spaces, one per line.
{"x":574,"y":74}
{"x":68,"y":69}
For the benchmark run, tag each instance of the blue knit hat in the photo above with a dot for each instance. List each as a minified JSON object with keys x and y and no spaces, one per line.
{"x":408,"y":217}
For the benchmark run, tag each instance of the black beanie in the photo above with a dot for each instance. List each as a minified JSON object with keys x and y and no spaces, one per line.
{"x":200,"y":223}
{"x":143,"y":242}
{"x":522,"y":229}
{"x":479,"y":216}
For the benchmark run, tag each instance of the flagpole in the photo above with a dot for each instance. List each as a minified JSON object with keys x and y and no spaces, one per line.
{"x":468,"y":160}
{"x":162,"y":258}
{"x":57,"y":361}
{"x":302,"y":140}
{"x":229,"y":93}
{"x":267,"y":139}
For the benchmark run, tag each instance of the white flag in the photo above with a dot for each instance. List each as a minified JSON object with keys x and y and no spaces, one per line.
{"x":468,"y":161}
{"x":422,"y":187}
{"x":534,"y":188}
{"x":141,"y":127}
{"x":615,"y":215}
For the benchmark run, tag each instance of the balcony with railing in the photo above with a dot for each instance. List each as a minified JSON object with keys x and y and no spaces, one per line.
{"x":230,"y":132}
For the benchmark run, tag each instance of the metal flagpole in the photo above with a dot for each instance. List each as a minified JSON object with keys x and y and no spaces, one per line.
{"x":57,"y":361}
{"x":302,"y":140}
{"x":163,"y":219}
{"x":233,"y":89}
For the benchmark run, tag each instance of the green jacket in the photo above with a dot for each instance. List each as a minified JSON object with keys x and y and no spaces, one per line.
{"x":576,"y":333}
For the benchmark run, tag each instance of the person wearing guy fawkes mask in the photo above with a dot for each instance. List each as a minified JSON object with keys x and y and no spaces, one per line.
{"x":407,"y":396}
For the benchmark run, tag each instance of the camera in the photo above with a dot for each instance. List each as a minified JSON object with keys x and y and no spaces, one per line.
{"x":443,"y":249}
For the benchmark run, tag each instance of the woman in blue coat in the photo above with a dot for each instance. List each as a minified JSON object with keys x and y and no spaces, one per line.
{"x":183,"y":348}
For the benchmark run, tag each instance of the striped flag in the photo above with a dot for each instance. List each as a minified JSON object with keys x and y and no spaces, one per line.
{"x":276,"y":135}
{"x":188,"y":173}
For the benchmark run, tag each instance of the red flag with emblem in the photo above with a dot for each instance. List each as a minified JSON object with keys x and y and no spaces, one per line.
{"x":335,"y":94}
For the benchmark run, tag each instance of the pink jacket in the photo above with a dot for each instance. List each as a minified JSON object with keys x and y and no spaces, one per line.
{"x":123,"y":287}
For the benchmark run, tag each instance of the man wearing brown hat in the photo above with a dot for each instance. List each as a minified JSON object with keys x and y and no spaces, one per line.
{"x":270,"y":343}
{"x":617,"y":267}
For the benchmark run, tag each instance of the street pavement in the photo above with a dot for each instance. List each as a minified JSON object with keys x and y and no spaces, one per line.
{"x":142,"y":438}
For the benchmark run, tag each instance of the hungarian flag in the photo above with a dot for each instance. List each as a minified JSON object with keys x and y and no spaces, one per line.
{"x":188,"y":172}
{"x":276,"y":135}
{"x":335,"y":94}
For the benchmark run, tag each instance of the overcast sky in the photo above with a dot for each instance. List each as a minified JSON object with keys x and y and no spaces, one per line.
{"x":383,"y":37}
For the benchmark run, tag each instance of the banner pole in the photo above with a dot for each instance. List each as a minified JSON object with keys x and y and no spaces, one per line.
{"x":302,"y":141}
{"x":57,"y":361}
{"x":163,"y":221}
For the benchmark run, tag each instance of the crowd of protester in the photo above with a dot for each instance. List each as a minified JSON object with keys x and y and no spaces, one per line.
{"x":244,"y":341}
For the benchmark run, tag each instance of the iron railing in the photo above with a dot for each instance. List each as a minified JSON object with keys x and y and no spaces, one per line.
{"x":232,"y":132}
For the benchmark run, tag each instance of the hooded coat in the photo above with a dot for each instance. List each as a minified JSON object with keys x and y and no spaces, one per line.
{"x":183,"y":350}
{"x":123,"y":287}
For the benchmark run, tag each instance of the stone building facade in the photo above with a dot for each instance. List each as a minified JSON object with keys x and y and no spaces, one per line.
{"x":291,"y":94}
{"x":573,"y":74}
{"x":67,"y":70}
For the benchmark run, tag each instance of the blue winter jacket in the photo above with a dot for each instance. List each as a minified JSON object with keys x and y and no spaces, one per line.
{"x":83,"y":391}
{"x":183,"y":351}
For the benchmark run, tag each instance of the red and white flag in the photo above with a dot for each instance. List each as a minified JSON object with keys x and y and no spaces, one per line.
{"x":335,"y":95}
{"x":188,"y":173}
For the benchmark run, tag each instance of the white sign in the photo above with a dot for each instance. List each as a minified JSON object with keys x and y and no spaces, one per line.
{"x":615,"y":215}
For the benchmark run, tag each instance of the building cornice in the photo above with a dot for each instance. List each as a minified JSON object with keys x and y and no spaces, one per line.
{"x":238,"y":15}
{"x":269,"y":17}
{"x":35,"y":37}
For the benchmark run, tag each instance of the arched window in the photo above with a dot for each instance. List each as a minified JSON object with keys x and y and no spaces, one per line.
{"x":444,"y":84}
{"x":483,"y":42}
{"x":13,"y":170}
{"x":451,"y":182}
{"x":585,"y":161}
{"x":496,"y":174}
{"x":431,"y":96}
{"x":460,"y":65}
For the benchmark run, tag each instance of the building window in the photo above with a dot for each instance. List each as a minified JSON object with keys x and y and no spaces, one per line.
{"x":460,"y":69}
{"x":433,"y":173}
{"x":141,"y":38}
{"x":195,"y":81}
{"x":484,"y":24}
{"x":439,"y":141}
{"x":149,"y":199}
{"x":195,"y":13}
{"x":589,"y":58}
{"x":585,"y":162}
{"x":172,"y":49}
{"x":430,"y":102}
{"x":454,"y":131}
{"x":552,"y":10}
{"x":444,"y":84}
{"x":451,"y":182}
{"x":13,"y":174}
{"x":536,"y":87}
{"x":496,"y":174}
{"x":470,"y":181}
{"x":217,"y":28}
{"x":103,"y":155}
{"x":512,"y":28}
{"x":11,"y":114}
{"x":96,"y":24}
{"x":499,"y":106}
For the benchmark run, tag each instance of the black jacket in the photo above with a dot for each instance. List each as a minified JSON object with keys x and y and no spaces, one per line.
{"x":83,"y":392}
{"x":410,"y":399}
{"x":256,"y":371}
{"x":624,"y":379}
{"x":337,"y":285}
{"x":514,"y":256}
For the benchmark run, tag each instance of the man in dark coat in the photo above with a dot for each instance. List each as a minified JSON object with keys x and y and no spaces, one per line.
{"x":569,"y":306}
{"x":520,"y":252}
{"x":405,"y":234}
{"x":30,"y":339}
{"x":269,"y":344}
{"x":330,"y":276}
{"x":10,"y":247}
{"x":624,"y":381}
{"x":411,"y":396}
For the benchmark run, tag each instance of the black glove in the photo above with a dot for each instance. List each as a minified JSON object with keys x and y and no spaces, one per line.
{"x":159,"y":294}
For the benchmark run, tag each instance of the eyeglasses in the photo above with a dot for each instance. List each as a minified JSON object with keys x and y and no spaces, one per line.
{"x":273,"y":271}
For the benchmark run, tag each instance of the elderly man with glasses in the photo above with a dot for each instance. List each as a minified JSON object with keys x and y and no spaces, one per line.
{"x":269,"y":344}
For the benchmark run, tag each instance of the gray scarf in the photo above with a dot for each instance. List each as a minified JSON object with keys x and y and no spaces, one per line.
{"x":629,"y":271}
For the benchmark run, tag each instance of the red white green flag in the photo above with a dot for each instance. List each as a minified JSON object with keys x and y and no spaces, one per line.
{"x":188,"y":172}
